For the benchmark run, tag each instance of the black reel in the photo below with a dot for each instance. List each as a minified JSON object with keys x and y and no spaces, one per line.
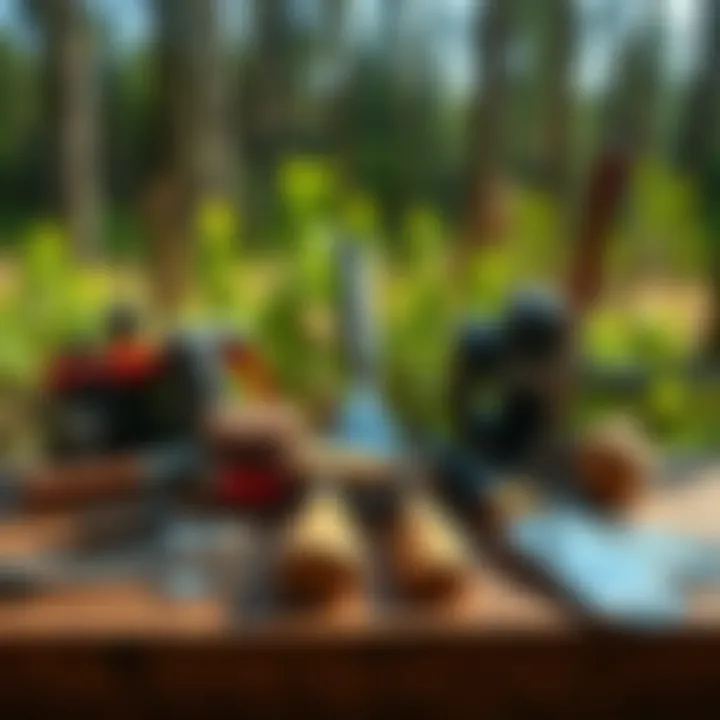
{"x":477,"y":365}
{"x":537,"y":326}
{"x":164,"y":398}
{"x":501,"y":408}
{"x":189,"y":383}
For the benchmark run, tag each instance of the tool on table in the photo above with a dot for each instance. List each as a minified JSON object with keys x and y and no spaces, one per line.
{"x":427,"y":557}
{"x":130,"y":392}
{"x":213,"y":468}
{"x":125,"y":416}
{"x":248,"y":456}
{"x":566,"y":525}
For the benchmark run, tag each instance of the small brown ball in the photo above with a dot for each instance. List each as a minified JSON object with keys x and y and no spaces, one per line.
{"x":613,"y":464}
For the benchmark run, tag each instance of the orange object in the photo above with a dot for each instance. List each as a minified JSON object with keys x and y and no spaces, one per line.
{"x":130,"y":360}
{"x":249,"y":368}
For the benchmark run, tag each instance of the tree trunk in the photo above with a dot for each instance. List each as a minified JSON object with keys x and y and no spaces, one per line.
{"x":700,"y":156}
{"x":339,"y":122}
{"x":72,"y":111}
{"x":560,"y":54}
{"x":212,"y":164}
{"x":392,"y":19}
{"x":271,"y":103}
{"x":631,"y":119}
{"x":712,"y":343}
{"x":169,"y":196}
{"x":632,"y":103}
{"x":487,"y":143}
{"x":697,"y":138}
{"x":193,"y":154}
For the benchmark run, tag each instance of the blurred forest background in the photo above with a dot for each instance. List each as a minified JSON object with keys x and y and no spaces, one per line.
{"x":198,"y":155}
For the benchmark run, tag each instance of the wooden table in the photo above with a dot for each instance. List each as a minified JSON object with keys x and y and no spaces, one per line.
{"x":125,"y":609}
{"x":512,"y":649}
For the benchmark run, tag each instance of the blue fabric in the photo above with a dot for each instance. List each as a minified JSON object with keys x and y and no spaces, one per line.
{"x":366,"y":424}
{"x":626,"y":573}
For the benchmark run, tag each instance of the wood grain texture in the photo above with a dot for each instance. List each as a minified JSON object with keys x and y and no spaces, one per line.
{"x":511,"y":652}
{"x":115,"y":610}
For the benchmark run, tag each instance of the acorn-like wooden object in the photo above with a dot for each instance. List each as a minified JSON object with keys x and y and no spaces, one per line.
{"x":322,"y":553}
{"x":613,"y":463}
{"x":431,"y":561}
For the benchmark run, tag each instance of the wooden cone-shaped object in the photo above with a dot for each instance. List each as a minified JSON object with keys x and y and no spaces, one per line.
{"x":322,"y":554}
{"x":430,"y":559}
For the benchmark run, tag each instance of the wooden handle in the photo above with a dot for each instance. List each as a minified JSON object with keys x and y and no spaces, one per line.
{"x":322,"y":554}
{"x":430,"y":558}
{"x":81,"y":483}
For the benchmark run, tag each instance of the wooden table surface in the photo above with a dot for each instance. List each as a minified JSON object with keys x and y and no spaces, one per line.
{"x":499,"y":602}
{"x":505,"y":646}
{"x":131,"y":609}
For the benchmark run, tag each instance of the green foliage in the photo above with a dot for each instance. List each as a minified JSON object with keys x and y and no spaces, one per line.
{"x":359,"y":215}
{"x":491,"y":276}
{"x":667,"y":223}
{"x":45,"y":302}
{"x":419,"y":309}
{"x":286,"y":294}
{"x":17,"y":355}
{"x":306,"y":186}
{"x":538,"y":244}
{"x":216,"y":235}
